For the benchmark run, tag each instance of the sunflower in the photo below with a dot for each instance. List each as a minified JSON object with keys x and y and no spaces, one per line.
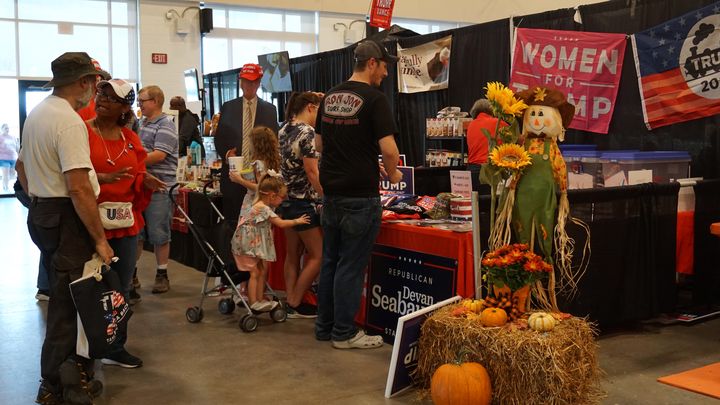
{"x":503,"y":99}
{"x":515,"y":108}
{"x":510,"y":156}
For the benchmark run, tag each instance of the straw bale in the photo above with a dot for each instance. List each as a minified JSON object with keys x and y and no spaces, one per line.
{"x":525,"y":366}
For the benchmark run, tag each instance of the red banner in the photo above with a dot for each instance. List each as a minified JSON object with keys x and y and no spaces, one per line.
{"x":586,"y":66}
{"x":381,"y":13}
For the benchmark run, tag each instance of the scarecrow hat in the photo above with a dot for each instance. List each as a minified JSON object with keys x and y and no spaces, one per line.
{"x":551,"y":98}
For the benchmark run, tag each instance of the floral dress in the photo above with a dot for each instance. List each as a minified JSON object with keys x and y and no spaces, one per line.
{"x":259,"y":169}
{"x":253,"y":236}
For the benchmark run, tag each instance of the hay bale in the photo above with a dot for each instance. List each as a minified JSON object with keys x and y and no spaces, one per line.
{"x":525,"y":366}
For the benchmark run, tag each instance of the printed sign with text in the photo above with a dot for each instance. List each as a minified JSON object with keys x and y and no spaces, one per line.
{"x":403,"y":281}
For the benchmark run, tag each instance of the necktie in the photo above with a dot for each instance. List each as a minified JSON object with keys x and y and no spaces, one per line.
{"x":248,"y":122}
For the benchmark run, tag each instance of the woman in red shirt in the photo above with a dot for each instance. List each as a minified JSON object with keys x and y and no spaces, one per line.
{"x":125,"y":188}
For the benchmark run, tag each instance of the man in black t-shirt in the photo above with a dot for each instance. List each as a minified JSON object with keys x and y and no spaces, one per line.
{"x":354,"y":126}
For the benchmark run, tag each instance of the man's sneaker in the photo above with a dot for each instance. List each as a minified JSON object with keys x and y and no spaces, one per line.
{"x":122,"y":359}
{"x":71,"y":380}
{"x":136,"y":282}
{"x":302,"y":311}
{"x":42,"y":295}
{"x":162,"y":285}
{"x":89,"y":383}
{"x":359,"y":341}
{"x":48,"y":394}
{"x":134,"y":297}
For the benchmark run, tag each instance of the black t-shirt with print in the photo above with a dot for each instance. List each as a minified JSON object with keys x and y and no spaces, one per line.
{"x":353,"y":117}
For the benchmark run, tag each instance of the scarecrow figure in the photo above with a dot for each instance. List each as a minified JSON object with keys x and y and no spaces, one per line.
{"x":534,"y":219}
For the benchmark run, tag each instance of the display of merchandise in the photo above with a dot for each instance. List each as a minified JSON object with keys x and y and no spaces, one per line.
{"x":445,"y":144}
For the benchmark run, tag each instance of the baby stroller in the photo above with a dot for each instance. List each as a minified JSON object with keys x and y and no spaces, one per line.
{"x":217,"y":267}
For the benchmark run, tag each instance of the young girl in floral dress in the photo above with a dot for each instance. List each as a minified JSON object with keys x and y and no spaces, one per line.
{"x":264,"y":156}
{"x":252,"y":243}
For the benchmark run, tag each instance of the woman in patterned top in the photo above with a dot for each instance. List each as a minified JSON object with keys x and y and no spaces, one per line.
{"x":299,"y":166}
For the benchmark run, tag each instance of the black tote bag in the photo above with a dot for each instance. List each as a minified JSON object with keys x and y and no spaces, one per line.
{"x":102,"y":312}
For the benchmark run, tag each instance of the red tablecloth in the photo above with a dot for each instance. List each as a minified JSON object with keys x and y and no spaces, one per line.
{"x":684,"y":254}
{"x":420,"y":239}
{"x":437,"y":242}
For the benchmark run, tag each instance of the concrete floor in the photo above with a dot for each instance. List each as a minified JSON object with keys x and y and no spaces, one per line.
{"x":214,"y":362}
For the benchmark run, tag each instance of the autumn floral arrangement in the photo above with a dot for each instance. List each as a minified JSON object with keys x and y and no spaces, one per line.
{"x":514,"y":266}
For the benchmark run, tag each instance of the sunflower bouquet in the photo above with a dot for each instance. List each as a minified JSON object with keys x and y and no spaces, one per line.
{"x":514,"y":266}
{"x":507,"y":158}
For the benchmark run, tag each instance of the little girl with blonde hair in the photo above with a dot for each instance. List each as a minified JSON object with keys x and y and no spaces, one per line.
{"x":253,"y":244}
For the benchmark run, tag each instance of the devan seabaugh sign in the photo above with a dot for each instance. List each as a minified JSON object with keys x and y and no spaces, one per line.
{"x":402,"y":281}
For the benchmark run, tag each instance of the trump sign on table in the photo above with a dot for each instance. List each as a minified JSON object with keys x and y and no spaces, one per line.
{"x":586,"y":66}
{"x":678,"y":66}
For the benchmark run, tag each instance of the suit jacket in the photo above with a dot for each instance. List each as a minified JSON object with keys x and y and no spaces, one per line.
{"x":228,"y":135}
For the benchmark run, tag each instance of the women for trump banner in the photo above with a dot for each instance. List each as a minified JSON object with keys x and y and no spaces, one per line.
{"x":424,"y":67}
{"x":586,"y":66}
{"x":678,"y":67}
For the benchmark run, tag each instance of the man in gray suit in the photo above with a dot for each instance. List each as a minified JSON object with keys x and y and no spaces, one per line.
{"x":237,"y":119}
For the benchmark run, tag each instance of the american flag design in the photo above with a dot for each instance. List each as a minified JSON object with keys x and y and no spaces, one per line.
{"x":114,"y":313}
{"x":678,"y":67}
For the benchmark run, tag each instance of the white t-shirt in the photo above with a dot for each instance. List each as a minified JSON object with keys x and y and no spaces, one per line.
{"x":55,"y":140}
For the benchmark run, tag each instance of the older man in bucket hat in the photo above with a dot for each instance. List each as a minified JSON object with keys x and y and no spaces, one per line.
{"x":55,"y":168}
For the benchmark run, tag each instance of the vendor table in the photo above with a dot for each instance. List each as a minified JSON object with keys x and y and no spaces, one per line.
{"x":412,"y":267}
{"x":631,"y":275}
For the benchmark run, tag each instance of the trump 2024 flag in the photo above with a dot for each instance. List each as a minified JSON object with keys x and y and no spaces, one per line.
{"x":678,"y":66}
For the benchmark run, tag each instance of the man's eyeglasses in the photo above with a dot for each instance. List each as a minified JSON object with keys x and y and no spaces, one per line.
{"x":141,"y":100}
{"x":106,"y":97}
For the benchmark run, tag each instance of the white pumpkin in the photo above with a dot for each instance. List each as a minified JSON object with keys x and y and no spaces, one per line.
{"x":541,"y":322}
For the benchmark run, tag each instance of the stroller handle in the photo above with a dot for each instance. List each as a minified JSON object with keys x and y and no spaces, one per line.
{"x":172,"y":189}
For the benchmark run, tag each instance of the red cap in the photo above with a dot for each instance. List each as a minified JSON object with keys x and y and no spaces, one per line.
{"x":251,"y":71}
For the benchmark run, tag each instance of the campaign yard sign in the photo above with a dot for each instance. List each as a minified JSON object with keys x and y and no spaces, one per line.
{"x":403,"y":281}
{"x":404,"y":357}
{"x":678,"y":68}
{"x":405,"y":186}
{"x":586,"y":66}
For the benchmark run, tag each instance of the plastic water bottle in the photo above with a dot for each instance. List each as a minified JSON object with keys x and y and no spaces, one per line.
{"x":195,"y":153}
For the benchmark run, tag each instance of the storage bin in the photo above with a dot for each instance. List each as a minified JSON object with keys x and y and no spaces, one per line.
{"x":584,"y":168}
{"x":666,"y":166}
{"x":575,"y":147}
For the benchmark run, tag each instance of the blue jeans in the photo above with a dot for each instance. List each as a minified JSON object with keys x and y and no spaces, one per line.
{"x":125,"y":249}
{"x":350,"y":226}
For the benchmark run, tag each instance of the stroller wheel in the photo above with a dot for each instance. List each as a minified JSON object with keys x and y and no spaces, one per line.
{"x":248,"y":323}
{"x":194,"y":314}
{"x":226,"y":306}
{"x":278,"y":314}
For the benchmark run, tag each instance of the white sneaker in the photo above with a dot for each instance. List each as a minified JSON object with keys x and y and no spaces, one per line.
{"x":42,"y":295}
{"x":359,"y":341}
{"x":261,"y":306}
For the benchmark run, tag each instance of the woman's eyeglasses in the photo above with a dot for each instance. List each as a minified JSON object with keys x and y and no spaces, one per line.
{"x":106,"y":97}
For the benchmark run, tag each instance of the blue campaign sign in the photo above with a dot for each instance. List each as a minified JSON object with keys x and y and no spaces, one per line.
{"x":405,"y":350}
{"x":403,"y":281}
{"x":405,"y":186}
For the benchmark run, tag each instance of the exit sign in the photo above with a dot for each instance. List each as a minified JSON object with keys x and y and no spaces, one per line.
{"x":159,"y":58}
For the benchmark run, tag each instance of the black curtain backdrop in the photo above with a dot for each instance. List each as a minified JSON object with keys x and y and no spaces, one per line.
{"x":631,"y":275}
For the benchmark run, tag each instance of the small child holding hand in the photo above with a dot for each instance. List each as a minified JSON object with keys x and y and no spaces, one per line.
{"x":252,"y":243}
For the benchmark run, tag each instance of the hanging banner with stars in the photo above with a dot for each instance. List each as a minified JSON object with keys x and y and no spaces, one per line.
{"x":585,"y":66}
{"x":678,"y":67}
{"x":401,"y":281}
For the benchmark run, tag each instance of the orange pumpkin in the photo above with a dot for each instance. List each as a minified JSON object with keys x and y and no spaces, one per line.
{"x":493,"y":317}
{"x":460,"y":383}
